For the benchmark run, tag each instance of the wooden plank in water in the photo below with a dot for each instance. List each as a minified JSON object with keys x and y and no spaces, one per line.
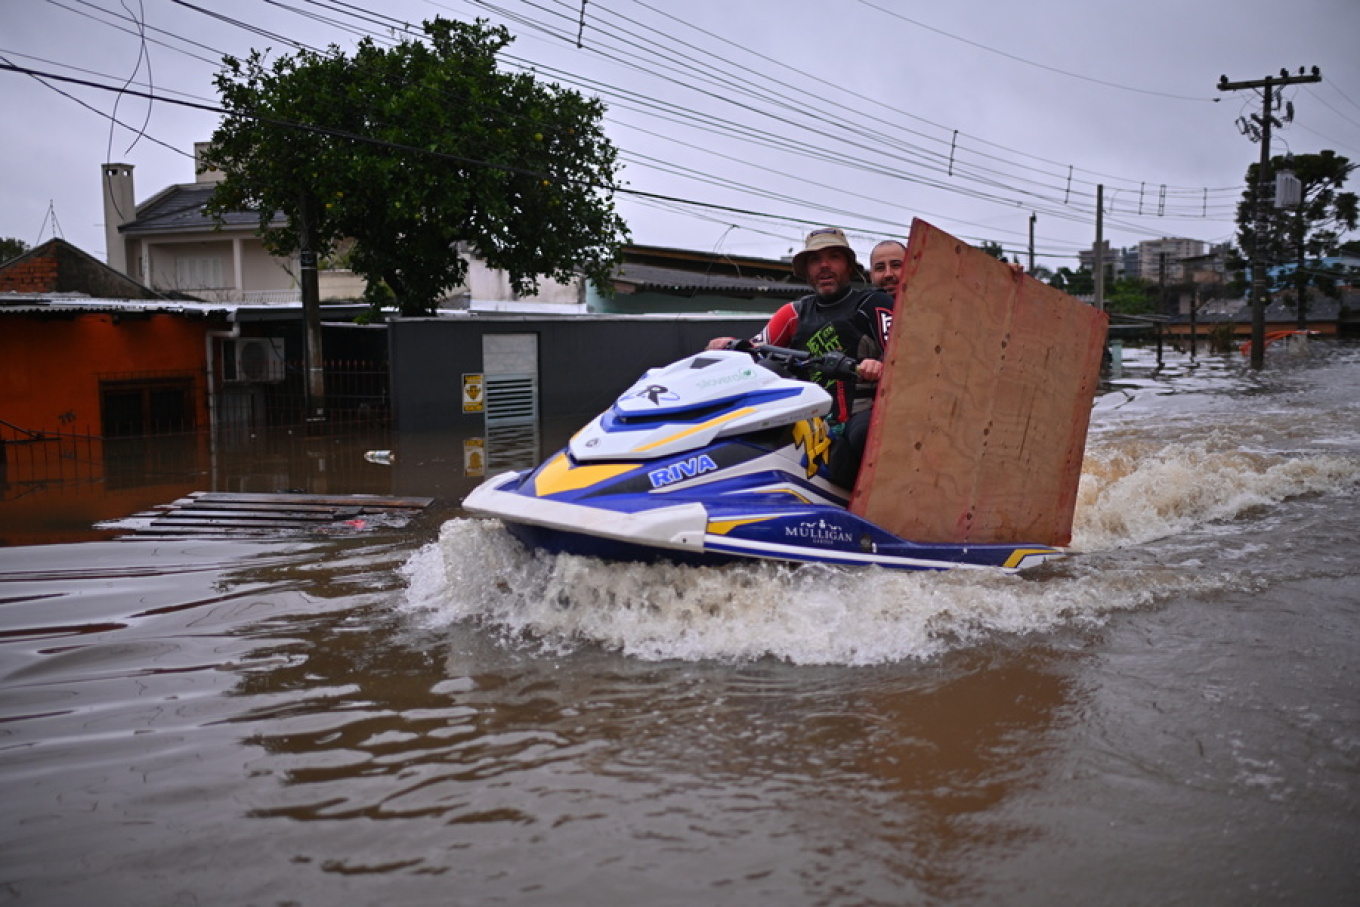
{"x":253,"y":515}
{"x":328,"y":515}
{"x":981,"y":418}
{"x":173,"y":522}
{"x":204,"y":504}
{"x":197,"y":531}
{"x":342,"y":500}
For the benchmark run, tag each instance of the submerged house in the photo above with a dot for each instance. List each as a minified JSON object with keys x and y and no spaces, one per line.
{"x":89,"y":351}
{"x":169,"y":244}
{"x":86,"y":350}
{"x":92,"y":363}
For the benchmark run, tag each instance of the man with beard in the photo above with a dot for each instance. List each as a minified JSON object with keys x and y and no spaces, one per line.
{"x":835,"y":317}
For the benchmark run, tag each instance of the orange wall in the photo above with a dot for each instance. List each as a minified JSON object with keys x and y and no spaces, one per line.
{"x":50,"y":368}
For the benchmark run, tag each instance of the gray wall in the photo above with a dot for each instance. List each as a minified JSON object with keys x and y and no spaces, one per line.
{"x":584,"y":361}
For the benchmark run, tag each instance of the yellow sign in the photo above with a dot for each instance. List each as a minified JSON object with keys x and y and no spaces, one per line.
{"x":474,"y":456}
{"x":474,"y":387}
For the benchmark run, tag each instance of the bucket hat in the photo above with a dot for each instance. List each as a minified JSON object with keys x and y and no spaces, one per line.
{"x":823,"y":238}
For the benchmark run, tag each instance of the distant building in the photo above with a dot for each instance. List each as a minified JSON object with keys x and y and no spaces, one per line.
{"x":1146,"y":260}
{"x":1162,"y":260}
{"x":1205,"y":280}
{"x":1116,"y":262}
{"x":1345,"y":269}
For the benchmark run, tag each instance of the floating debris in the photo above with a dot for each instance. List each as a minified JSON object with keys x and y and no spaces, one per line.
{"x":223,"y":514}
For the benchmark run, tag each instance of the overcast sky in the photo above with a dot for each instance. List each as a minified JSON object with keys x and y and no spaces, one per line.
{"x":759,"y":118}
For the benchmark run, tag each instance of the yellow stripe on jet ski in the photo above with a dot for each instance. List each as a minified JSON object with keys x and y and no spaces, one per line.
{"x":793,"y":493}
{"x":1017,"y":557}
{"x":559,"y":475}
{"x":722,"y":527}
{"x":725,"y":417}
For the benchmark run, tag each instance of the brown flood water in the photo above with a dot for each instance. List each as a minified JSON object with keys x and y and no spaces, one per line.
{"x":429,"y":715}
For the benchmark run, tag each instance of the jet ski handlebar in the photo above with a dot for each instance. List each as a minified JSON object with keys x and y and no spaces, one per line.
{"x":833,"y":364}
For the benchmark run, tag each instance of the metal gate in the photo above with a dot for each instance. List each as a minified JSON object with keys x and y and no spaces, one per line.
{"x":510,"y":367}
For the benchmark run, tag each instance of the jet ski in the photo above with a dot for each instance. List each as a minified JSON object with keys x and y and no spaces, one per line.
{"x":720,"y":456}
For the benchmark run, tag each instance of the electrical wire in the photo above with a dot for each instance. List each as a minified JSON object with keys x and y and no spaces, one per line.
{"x":907,"y":155}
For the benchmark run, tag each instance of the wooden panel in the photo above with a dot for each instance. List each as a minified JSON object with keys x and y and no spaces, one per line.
{"x":982,"y":413}
{"x":331,"y":500}
{"x":253,"y":515}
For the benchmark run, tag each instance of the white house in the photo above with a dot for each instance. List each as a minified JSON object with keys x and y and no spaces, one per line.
{"x":168,"y":243}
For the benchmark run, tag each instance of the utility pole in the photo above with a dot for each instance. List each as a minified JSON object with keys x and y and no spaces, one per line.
{"x":1031,"y":243}
{"x":1258,"y":194}
{"x":1098,"y":262}
{"x":315,"y":384}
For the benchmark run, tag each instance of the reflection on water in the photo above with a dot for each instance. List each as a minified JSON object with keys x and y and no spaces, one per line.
{"x":512,"y":447}
{"x":517,"y":763}
{"x":62,"y":489}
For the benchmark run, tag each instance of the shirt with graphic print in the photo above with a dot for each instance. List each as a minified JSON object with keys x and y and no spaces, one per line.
{"x":856,"y":323}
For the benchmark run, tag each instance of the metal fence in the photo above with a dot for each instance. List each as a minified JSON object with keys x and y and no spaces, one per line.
{"x":30,"y":459}
{"x":356,"y":392}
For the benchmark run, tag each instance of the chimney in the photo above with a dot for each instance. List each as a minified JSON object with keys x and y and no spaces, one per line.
{"x":205,"y":172}
{"x":119,"y":208}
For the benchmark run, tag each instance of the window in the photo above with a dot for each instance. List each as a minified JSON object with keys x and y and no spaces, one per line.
{"x":199,"y":272}
{"x":152,"y":407}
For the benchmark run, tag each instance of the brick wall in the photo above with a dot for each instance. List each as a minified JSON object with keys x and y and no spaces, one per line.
{"x":31,"y":275}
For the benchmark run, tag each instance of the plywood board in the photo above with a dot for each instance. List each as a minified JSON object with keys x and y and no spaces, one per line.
{"x":982,"y":412}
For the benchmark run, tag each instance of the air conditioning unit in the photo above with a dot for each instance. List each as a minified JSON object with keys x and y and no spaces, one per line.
{"x":256,"y":359}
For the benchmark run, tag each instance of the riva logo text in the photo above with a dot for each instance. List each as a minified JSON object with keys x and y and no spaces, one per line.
{"x":679,"y":471}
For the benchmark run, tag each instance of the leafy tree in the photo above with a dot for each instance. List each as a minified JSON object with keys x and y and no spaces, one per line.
{"x":422,"y":153}
{"x":1076,"y":283}
{"x":993,"y":249}
{"x":1304,"y":235}
{"x":1132,"y":296}
{"x":11,"y":248}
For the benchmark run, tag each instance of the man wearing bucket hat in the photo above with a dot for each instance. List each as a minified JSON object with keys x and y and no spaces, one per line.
{"x":835,"y":317}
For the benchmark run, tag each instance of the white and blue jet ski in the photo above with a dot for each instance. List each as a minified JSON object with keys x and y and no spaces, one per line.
{"x":719,"y":456}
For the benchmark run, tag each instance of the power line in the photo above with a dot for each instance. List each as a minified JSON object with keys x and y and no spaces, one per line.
{"x":906,"y":155}
{"x":981,"y":172}
{"x":1028,"y":62}
{"x":869,"y":136}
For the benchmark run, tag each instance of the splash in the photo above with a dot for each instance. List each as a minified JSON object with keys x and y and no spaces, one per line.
{"x":1136,"y":491}
{"x":476,"y":574}
{"x":1132,"y":492}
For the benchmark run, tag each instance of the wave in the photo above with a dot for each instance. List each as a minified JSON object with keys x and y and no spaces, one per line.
{"x":1132,"y":492}
{"x":1135,"y":491}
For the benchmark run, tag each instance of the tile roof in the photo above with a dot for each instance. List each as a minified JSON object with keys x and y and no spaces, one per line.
{"x":180,"y":208}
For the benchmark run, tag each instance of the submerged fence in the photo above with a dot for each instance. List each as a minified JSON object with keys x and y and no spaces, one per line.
{"x":356,"y":391}
{"x":31,"y":458}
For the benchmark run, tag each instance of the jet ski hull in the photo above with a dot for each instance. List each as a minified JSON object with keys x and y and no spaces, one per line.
{"x":779,"y":526}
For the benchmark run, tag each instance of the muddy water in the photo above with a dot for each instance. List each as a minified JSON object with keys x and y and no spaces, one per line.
{"x":431,"y":716}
